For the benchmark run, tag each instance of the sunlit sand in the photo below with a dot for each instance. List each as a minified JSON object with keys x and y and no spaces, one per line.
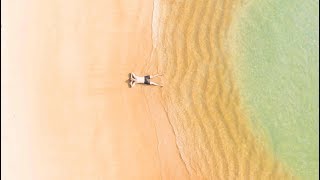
{"x":72,"y":110}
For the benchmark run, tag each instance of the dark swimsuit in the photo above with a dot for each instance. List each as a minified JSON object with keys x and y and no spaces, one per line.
{"x":147,"y":80}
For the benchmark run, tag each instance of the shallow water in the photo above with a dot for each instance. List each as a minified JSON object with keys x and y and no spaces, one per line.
{"x":278,"y":70}
{"x":201,"y":94}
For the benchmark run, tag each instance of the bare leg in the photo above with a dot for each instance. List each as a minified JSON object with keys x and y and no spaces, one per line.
{"x":153,"y":76}
{"x":153,"y":83}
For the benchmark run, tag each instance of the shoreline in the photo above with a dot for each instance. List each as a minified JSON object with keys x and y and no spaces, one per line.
{"x":202,"y":99}
{"x":70,"y":113}
{"x":67,"y":88}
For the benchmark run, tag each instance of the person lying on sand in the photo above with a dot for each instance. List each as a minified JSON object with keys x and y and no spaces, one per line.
{"x":143,"y":80}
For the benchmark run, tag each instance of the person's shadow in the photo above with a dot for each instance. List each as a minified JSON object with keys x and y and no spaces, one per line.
{"x":128,"y":80}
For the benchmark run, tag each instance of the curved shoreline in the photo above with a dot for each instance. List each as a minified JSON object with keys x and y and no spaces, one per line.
{"x":201,"y":97}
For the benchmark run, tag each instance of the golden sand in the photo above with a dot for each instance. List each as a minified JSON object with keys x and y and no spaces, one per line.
{"x":200,"y":96}
{"x":68,"y":112}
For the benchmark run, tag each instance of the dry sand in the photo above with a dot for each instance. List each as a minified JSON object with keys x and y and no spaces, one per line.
{"x":67,"y":110}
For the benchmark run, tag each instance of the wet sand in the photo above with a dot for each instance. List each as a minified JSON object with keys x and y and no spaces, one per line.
{"x":67,"y":110}
{"x":69,"y":113}
{"x":201,"y":96}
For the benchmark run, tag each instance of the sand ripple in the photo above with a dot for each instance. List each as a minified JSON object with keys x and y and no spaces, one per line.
{"x":201,"y":96}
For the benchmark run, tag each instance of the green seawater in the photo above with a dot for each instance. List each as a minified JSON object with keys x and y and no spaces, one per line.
{"x":279,"y":66}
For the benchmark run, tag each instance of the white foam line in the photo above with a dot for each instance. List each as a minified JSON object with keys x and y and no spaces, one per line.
{"x":155,"y":23}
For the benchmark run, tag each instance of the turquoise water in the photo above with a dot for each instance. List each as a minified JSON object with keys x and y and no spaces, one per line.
{"x":279,"y":78}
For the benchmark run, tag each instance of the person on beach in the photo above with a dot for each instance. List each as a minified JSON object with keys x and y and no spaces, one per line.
{"x":143,"y":80}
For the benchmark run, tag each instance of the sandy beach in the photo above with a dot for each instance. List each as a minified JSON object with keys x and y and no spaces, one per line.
{"x":237,"y":100}
{"x":214,"y":133}
{"x":68,"y":112}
